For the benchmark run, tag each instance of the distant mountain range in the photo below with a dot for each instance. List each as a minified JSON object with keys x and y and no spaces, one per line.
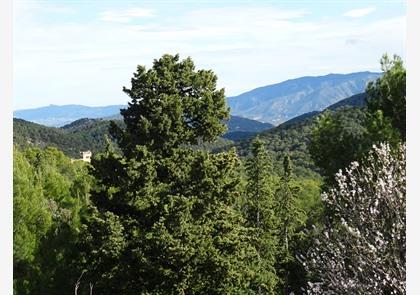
{"x":283,"y":101}
{"x":88,"y":134}
{"x":272,"y":104}
{"x":56,"y":115}
{"x":59,"y":116}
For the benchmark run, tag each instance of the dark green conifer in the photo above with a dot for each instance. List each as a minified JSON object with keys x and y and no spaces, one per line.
{"x":291,"y":220}
{"x":164,"y":217}
{"x":260,"y":211}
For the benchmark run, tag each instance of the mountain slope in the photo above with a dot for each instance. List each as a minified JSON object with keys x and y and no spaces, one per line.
{"x":89,"y":134}
{"x":280,"y":102}
{"x":71,"y":143}
{"x":57,"y":116}
{"x":293,"y":136}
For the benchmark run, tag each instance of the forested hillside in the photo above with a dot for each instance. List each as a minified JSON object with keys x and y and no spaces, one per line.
{"x":89,"y":134}
{"x":294,"y":136}
{"x":160,"y":212}
{"x":79,"y":136}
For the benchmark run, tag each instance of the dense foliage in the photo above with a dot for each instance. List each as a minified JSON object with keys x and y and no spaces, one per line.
{"x":387,"y":93}
{"x":50,"y":194}
{"x":166,"y":215}
{"x":84,"y":134}
{"x":168,"y":207}
{"x":337,"y":139}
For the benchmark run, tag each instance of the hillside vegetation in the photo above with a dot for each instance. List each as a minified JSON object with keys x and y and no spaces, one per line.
{"x":82,"y":135}
{"x":294,"y":136}
{"x":159,"y":212}
{"x":89,"y":134}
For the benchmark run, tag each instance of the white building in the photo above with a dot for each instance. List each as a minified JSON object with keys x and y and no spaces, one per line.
{"x":86,"y":155}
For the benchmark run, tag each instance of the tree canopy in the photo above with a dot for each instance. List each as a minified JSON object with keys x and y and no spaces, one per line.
{"x":171,"y":104}
{"x":388,"y":93}
{"x":164,"y":218}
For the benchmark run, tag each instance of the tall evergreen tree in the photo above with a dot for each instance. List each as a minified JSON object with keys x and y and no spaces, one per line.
{"x":260,"y":211}
{"x":164,"y":219}
{"x":291,"y":218}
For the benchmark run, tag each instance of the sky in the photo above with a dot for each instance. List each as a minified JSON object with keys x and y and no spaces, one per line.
{"x":84,"y":52}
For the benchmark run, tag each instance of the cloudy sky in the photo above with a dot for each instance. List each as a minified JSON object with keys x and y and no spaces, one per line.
{"x":84,"y":52}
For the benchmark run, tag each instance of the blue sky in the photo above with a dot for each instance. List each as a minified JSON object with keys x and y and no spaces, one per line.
{"x":84,"y":52}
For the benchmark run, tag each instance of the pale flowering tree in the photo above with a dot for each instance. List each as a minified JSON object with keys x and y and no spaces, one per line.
{"x":362,"y":248}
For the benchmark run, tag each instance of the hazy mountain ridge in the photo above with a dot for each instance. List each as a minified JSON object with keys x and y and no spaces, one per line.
{"x":60,"y":115}
{"x":66,"y":115}
{"x":273,"y":104}
{"x":88,"y":134}
{"x":280,"y":102}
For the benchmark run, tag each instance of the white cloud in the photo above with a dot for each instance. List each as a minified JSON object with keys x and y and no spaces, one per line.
{"x":127,"y":15}
{"x":235,"y":14}
{"x":359,"y":12}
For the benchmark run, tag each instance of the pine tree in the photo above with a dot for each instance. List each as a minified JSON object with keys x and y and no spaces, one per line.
{"x":260,"y":211}
{"x":164,"y":219}
{"x":291,"y":218}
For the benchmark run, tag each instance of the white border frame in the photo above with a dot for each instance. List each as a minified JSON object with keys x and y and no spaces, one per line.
{"x":413,"y":138}
{"x":6,"y":151}
{"x":413,"y":155}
